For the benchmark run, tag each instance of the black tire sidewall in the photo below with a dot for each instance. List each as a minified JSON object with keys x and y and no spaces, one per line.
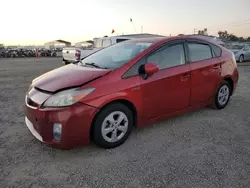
{"x":242,"y":58}
{"x":218,"y":105}
{"x":97,"y":125}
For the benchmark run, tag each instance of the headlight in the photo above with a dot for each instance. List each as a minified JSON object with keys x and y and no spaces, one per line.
{"x":234,"y":60}
{"x":67,"y":97}
{"x":30,"y":87}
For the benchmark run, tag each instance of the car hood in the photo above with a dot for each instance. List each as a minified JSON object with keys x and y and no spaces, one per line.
{"x":67,"y":76}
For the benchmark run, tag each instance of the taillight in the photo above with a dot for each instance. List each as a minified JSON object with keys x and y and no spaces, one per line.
{"x":234,"y":60}
{"x":78,"y":54}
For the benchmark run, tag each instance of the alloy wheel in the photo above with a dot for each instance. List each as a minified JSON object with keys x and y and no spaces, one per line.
{"x":241,"y":59}
{"x":223,"y":95}
{"x":114,"y":126}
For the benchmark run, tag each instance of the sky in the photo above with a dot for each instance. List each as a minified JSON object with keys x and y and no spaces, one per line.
{"x":29,"y":22}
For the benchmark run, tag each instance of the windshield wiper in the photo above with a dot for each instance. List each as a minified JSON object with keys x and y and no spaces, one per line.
{"x":95,"y":65}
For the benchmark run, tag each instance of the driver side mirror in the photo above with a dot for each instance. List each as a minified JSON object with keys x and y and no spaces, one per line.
{"x":148,"y":69}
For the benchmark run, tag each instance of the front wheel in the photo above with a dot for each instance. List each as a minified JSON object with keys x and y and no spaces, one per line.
{"x":112,"y":126}
{"x":223,"y":95}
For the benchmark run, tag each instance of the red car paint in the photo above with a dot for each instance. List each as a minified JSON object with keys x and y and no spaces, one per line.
{"x":167,"y":92}
{"x":67,"y":76}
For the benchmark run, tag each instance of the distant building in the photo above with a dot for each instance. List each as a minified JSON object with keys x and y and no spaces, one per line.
{"x":57,"y":44}
{"x":84,"y":44}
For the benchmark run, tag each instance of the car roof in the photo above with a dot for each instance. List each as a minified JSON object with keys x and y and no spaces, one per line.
{"x":131,"y":36}
{"x":162,"y":39}
{"x":148,"y":39}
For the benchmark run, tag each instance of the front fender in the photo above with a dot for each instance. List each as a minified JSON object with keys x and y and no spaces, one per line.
{"x":131,"y":95}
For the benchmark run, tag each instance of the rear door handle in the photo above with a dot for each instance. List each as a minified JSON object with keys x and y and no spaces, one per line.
{"x":185,"y":77}
{"x":216,"y":66}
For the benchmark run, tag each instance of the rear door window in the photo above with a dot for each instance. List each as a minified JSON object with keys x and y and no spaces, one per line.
{"x":199,"y":51}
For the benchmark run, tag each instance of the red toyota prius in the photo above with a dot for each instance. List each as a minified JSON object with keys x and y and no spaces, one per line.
{"x":132,"y":83}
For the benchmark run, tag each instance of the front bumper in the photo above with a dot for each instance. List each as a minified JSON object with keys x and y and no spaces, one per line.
{"x":30,"y":126}
{"x":76,"y":122}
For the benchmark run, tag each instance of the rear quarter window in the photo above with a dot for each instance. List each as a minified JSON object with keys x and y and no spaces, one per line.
{"x":216,"y":50}
{"x":120,"y":40}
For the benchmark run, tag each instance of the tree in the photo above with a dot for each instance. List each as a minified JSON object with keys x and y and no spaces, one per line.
{"x":202,"y":32}
{"x":223,"y":35}
{"x":233,"y":38}
{"x":241,"y":39}
{"x":181,"y":35}
{"x":226,"y":37}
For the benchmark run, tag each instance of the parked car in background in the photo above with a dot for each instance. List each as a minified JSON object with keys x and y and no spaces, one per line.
{"x":241,"y":51}
{"x":47,"y":53}
{"x":30,"y":53}
{"x":2,"y":51}
{"x":11,"y":53}
{"x":132,"y":83}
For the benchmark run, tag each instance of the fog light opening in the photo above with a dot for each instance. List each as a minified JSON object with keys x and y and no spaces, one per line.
{"x":57,"y":131}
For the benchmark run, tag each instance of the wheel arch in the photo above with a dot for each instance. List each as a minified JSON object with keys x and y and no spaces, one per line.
{"x":231,"y":83}
{"x":242,"y":56}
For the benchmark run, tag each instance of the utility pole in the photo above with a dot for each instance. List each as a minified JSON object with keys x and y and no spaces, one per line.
{"x":141,"y":29}
{"x":194,"y":30}
{"x":133,"y":24}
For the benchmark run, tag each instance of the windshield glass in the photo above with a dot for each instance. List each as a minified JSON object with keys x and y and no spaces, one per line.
{"x":116,"y":55}
{"x":236,"y":47}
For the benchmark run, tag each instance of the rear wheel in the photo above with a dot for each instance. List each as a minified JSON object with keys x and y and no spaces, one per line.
{"x":241,"y":58}
{"x":112,"y":126}
{"x":223,"y":95}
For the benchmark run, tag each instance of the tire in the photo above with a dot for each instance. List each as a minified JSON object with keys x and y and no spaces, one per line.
{"x":219,"y":103}
{"x":104,"y":129}
{"x":241,"y":58}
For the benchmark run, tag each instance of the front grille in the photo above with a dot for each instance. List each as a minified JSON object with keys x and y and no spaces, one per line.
{"x":30,"y":102}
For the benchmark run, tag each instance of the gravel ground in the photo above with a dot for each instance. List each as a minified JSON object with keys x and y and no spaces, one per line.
{"x":205,"y":148}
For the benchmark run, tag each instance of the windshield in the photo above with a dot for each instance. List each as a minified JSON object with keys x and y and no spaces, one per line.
{"x":236,"y":47}
{"x":116,"y":55}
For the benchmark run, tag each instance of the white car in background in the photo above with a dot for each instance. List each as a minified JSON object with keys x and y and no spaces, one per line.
{"x":74,"y":54}
{"x":241,"y":51}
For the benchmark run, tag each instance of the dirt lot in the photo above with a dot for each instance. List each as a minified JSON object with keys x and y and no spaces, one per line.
{"x":205,"y":148}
